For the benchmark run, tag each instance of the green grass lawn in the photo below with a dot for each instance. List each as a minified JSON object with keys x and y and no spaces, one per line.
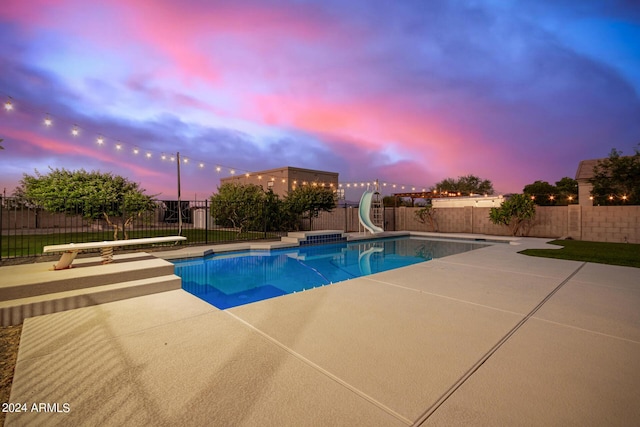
{"x":32,"y":244}
{"x":599,"y":252}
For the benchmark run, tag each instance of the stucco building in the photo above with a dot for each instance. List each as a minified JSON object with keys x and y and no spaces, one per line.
{"x":285,"y":179}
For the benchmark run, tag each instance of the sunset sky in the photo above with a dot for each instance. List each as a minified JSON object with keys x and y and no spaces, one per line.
{"x":407,"y":92}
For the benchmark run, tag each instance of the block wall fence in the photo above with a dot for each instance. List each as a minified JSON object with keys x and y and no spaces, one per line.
{"x":592,"y":223}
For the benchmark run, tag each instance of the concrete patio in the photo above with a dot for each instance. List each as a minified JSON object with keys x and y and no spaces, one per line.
{"x":487,"y":337}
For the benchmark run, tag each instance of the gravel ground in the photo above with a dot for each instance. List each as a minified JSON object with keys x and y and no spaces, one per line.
{"x":9,"y":342}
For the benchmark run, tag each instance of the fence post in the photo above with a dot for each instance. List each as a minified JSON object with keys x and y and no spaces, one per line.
{"x":1,"y":224}
{"x":264,"y":218}
{"x":207,"y":214}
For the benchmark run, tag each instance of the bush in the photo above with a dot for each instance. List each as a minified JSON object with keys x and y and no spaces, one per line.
{"x":515,"y":212}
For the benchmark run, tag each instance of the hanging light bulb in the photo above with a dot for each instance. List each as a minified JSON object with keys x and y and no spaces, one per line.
{"x":48,"y":121}
{"x":135,"y":150}
{"x":163,"y":156}
{"x":233,"y":172}
{"x":148,"y":155}
{"x":118,"y":146}
{"x":75,"y":131}
{"x":8,"y":105}
{"x":218,"y":168}
{"x":201,"y":165}
{"x":100,"y":140}
{"x":186,"y":160}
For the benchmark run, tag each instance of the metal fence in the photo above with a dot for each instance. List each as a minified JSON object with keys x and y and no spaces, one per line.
{"x":25,"y":229}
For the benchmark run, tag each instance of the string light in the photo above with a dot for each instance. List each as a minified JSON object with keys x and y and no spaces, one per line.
{"x":101,"y":140}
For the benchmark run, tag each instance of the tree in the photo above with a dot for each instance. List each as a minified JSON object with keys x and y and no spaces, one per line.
{"x":541,"y":192}
{"x":239,"y":206}
{"x":276,"y":216}
{"x":567,"y":190}
{"x":309,"y":200}
{"x":427,"y":215}
{"x":514,"y":212}
{"x":93,"y":194}
{"x":616,"y":179}
{"x":544,"y":194}
{"x":466,"y":185}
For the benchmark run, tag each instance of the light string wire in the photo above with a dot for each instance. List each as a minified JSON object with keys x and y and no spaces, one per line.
{"x":102,"y":139}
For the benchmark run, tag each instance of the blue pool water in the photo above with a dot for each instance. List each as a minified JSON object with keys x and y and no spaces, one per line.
{"x":232,"y":279}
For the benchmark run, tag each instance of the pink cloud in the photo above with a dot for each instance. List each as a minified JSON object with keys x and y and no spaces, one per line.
{"x":60,"y":148}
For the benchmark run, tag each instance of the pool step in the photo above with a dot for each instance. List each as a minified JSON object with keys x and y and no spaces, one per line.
{"x":13,"y":312}
{"x":314,"y":237}
{"x":33,"y":289}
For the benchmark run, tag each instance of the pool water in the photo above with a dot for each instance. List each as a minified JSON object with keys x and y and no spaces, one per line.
{"x":232,"y":279}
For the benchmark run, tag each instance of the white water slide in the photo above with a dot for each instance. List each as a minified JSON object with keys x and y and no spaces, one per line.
{"x":364,"y":212}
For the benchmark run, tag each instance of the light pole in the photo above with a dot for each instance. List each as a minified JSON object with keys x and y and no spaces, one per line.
{"x":179,"y":200}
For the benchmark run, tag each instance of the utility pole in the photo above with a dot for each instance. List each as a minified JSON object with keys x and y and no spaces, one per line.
{"x":179,"y":199}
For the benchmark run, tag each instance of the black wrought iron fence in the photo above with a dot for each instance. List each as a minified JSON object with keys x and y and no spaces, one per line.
{"x":26,"y":228}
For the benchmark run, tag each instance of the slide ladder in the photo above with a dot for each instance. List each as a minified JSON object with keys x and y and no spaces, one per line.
{"x":364,"y":212}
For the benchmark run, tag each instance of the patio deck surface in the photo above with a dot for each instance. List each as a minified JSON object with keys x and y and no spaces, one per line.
{"x":487,"y":337}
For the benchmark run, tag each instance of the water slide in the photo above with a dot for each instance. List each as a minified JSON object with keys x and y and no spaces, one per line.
{"x":364,"y":260}
{"x":364,"y":212}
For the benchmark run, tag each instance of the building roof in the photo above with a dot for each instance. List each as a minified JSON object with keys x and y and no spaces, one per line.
{"x":287,"y":169}
{"x":585,"y":169}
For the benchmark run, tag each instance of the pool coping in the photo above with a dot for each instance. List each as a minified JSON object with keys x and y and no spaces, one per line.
{"x":206,"y":250}
{"x":499,"y":338}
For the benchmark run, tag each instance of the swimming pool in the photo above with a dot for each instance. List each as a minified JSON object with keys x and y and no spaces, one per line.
{"x":230,"y":279}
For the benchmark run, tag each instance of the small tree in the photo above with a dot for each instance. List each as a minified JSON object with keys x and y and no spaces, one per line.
{"x":93,"y":194}
{"x":427,"y":215}
{"x":308,"y":201}
{"x":515,"y":212}
{"x":239,"y":206}
{"x":616,"y":179}
{"x":275,"y":214}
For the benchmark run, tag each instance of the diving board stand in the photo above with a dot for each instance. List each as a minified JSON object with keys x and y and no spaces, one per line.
{"x":71,"y":250}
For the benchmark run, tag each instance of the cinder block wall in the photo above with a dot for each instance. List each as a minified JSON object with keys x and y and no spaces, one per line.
{"x":594,"y":223}
{"x":611,"y":223}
